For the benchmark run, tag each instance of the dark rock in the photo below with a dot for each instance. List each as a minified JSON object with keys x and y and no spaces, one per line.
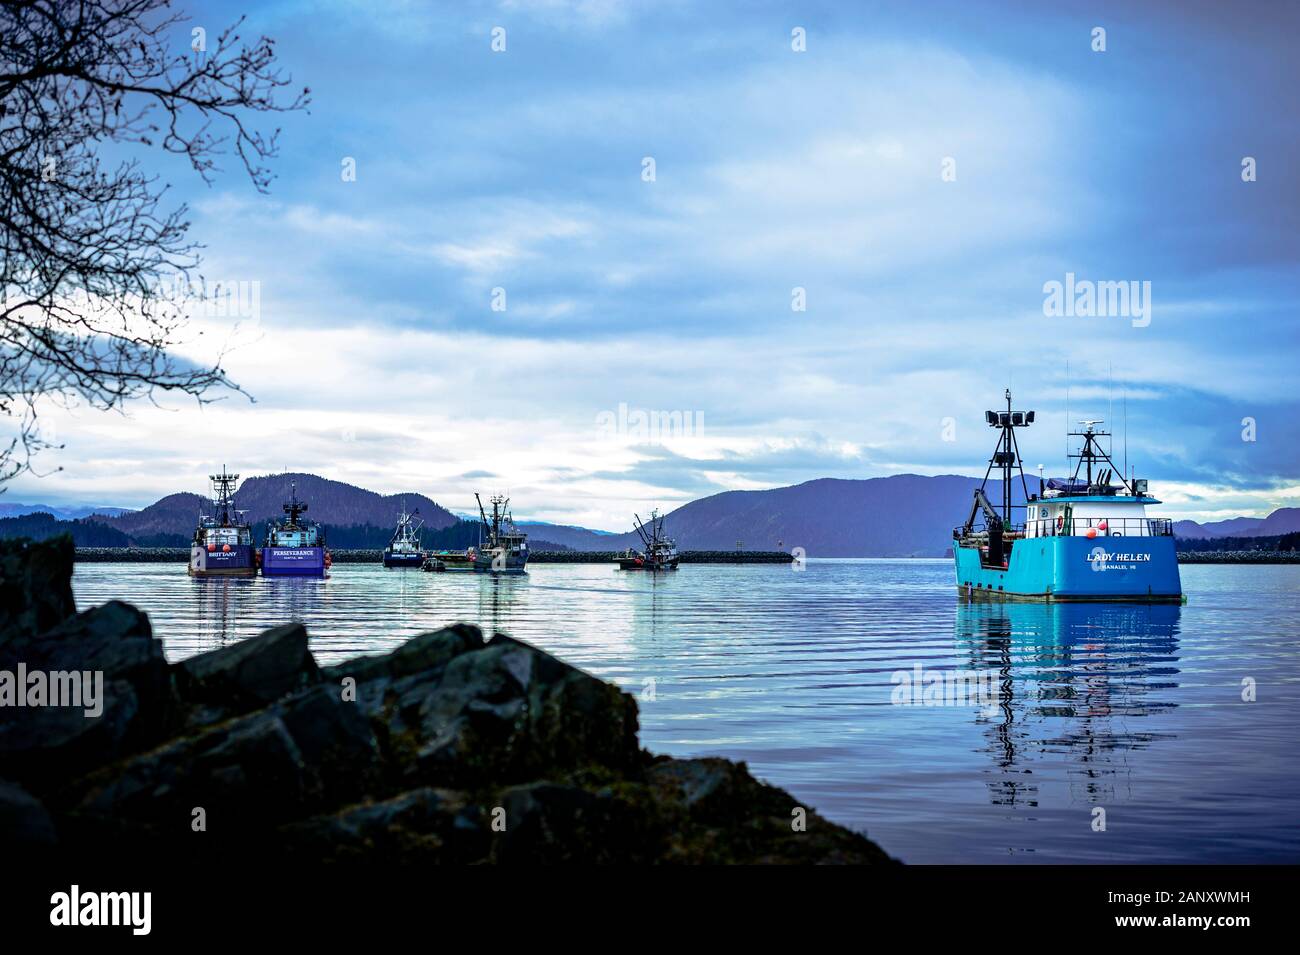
{"x":427,"y":654}
{"x":113,"y":648}
{"x":35,"y":585}
{"x":24,"y":823}
{"x":505,"y":713}
{"x":732,"y":817}
{"x":301,"y":755}
{"x":249,"y":674}
{"x":548,"y":824}
{"x":423,"y":825}
{"x":447,"y":749}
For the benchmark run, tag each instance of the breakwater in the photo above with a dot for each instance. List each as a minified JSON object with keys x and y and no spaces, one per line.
{"x":180,"y":555}
{"x":1238,"y":557}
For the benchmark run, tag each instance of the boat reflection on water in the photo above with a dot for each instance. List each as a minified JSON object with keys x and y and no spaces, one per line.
{"x":1086,"y":683}
{"x":222,"y":603}
{"x":497,"y":595}
{"x":227,"y":606}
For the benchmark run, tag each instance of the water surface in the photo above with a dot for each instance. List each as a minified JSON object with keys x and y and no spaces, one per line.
{"x":1136,"y":710}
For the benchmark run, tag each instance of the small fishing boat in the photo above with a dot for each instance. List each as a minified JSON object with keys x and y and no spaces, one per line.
{"x":294,"y":547}
{"x":404,"y":549}
{"x":660,"y":551}
{"x":223,"y":540}
{"x":502,"y":548}
{"x":1083,"y":538}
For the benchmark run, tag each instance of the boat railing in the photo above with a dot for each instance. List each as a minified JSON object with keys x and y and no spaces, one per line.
{"x":1100,"y":526}
{"x":1080,"y":527}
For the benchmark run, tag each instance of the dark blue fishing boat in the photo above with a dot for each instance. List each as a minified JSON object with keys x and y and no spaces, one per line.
{"x":404,"y":550}
{"x":223,"y":541}
{"x":294,"y":547}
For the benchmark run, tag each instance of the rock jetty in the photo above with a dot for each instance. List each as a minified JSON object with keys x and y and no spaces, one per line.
{"x":450,"y":749}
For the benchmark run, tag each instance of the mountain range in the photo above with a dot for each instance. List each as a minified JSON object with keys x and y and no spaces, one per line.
{"x":1285,"y":520}
{"x":262,"y":498}
{"x":903,"y":515}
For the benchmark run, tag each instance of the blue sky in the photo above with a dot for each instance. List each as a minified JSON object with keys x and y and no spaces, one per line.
{"x":376,"y":356}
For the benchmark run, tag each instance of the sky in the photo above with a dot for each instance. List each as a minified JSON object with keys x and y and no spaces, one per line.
{"x":814,"y":240}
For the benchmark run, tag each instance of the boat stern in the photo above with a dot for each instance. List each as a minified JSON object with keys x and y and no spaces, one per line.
{"x":1141,"y":569}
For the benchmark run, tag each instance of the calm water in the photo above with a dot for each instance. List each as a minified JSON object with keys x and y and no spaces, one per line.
{"x":1134,"y":709}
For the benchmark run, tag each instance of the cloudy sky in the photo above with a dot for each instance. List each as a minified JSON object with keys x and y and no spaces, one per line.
{"x":918,"y":171}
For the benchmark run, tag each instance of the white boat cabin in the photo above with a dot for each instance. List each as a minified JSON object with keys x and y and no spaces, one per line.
{"x":1093,"y":516}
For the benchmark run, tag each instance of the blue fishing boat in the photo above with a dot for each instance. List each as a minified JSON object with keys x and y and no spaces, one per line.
{"x":294,"y":547}
{"x":223,"y":541}
{"x":404,"y":549}
{"x":1084,"y":538}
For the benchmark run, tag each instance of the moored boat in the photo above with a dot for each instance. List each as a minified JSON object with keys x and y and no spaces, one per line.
{"x":1085,"y":538}
{"x":502,"y":549}
{"x":660,"y":552}
{"x":223,"y":540}
{"x":404,"y":550}
{"x":294,"y":547}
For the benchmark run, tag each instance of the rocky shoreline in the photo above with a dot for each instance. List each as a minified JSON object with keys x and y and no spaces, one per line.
{"x":452,"y":748}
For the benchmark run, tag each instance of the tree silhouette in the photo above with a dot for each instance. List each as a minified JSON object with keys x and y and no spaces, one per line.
{"x":97,"y":271}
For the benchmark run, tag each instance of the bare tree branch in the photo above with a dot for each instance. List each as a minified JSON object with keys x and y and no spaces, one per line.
{"x":96,"y":268}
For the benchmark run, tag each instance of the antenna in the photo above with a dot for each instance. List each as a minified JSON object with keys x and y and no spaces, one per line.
{"x":1067,"y":414}
{"x":1110,"y":401}
{"x":1125,"y":406}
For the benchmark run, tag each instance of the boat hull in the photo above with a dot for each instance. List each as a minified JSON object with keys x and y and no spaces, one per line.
{"x":293,"y":561}
{"x":236,"y":562}
{"x":481,"y":565}
{"x":634,"y":564}
{"x":1105,"y":569}
{"x":403,"y":560}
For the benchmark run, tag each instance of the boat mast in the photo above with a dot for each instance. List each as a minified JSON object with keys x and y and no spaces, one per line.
{"x":223,"y":490}
{"x":293,"y":507}
{"x":1006,"y":455}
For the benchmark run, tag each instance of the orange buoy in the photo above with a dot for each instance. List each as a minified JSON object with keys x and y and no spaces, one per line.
{"x":212,"y":548}
{"x":1092,"y":532}
{"x":225,"y":548}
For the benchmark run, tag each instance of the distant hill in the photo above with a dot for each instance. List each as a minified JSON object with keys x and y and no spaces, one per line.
{"x":543,"y":536}
{"x":1285,"y":520}
{"x":42,"y":526}
{"x":65,"y":513}
{"x":904,"y":515}
{"x":1235,"y":527}
{"x":333,"y":503}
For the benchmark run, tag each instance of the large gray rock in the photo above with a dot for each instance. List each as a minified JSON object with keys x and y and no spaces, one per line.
{"x":251,"y":673}
{"x":427,"y":655}
{"x":503,"y":712}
